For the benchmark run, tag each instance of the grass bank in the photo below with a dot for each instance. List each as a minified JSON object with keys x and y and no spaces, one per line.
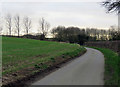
{"x":24,"y":57}
{"x":112,"y":67}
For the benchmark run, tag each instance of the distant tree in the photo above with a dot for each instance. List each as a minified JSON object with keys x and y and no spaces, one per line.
{"x":112,"y":5}
{"x":93,"y":34}
{"x":9,"y":23}
{"x":58,"y":33}
{"x":98,"y":34}
{"x":27,"y":24}
{"x":87,"y":31}
{"x":44,"y":27}
{"x":79,"y":35}
{"x":17,"y":24}
{"x":70,"y":34}
{"x":113,"y":33}
{"x":82,"y":38}
{"x":1,"y":28}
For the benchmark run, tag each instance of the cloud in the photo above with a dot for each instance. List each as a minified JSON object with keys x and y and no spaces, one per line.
{"x":51,"y":0}
{"x":82,"y":14}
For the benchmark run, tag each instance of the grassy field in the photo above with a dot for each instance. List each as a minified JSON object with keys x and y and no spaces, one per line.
{"x":111,"y":66}
{"x":19,"y":53}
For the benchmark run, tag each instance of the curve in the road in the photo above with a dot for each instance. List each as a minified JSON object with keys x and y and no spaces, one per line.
{"x":85,"y":70}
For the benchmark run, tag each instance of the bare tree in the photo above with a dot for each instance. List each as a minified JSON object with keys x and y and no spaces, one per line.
{"x":9,"y":23}
{"x":1,"y":30}
{"x":44,"y":26}
{"x":27,"y":24}
{"x":112,"y":5}
{"x":17,"y":23}
{"x":47,"y":26}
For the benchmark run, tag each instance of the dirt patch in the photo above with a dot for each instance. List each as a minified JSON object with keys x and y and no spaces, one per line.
{"x":24,"y":77}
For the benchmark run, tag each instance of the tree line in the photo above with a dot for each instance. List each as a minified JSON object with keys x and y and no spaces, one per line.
{"x":61,"y":33}
{"x":16,"y":24}
{"x":81,"y":35}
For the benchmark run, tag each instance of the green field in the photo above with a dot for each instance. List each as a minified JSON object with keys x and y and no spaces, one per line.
{"x":111,"y":66}
{"x":19,"y":53}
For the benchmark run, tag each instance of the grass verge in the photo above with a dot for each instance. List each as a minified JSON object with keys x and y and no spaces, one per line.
{"x":112,"y":60}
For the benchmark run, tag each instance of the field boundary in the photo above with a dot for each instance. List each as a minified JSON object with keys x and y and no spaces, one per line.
{"x":113,"y":45}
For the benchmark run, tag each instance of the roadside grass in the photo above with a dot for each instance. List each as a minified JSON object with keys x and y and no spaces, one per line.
{"x":19,"y":54}
{"x":112,"y":59}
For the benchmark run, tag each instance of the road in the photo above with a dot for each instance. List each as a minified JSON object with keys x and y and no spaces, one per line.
{"x":88,"y":69}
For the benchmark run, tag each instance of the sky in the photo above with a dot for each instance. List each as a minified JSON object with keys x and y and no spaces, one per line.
{"x":80,"y":13}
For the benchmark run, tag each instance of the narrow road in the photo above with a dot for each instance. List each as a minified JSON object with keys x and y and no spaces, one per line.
{"x":85,"y":70}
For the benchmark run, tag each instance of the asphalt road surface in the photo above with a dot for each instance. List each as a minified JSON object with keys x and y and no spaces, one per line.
{"x":88,"y":69}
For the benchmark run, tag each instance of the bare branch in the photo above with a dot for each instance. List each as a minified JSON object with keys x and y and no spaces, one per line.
{"x":9,"y":23}
{"x":1,"y":30}
{"x":17,"y":23}
{"x":27,"y":24}
{"x":1,"y":27}
{"x":112,"y":5}
{"x":44,"y":26}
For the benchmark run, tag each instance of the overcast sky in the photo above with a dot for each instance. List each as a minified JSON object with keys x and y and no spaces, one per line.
{"x":64,"y":12}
